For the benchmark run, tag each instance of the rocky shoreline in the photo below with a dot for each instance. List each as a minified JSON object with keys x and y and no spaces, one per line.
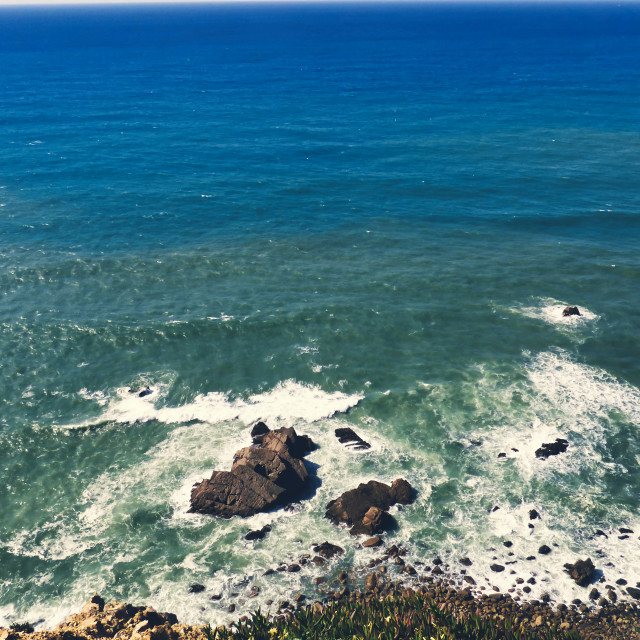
{"x":98,"y":620}
{"x":271,"y":473}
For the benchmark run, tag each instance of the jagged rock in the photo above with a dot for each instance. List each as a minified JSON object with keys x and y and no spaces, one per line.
{"x":242,"y":493}
{"x":120,"y":620}
{"x":261,"y":477}
{"x":327,"y":550}
{"x":364,"y":509}
{"x":544,"y":550}
{"x":497,"y":568}
{"x":552,"y":448}
{"x":571,"y":311}
{"x":533,"y":514}
{"x":350,"y":438}
{"x":465,"y":562}
{"x":581,"y":571}
{"x":196,"y":588}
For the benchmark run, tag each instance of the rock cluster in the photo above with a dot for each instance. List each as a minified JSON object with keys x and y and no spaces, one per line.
{"x":262,"y":477}
{"x":365,"y":509}
{"x":115,"y":620}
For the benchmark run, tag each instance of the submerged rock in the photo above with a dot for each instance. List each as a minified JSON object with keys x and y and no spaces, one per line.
{"x":364,"y":509}
{"x":261,"y":478}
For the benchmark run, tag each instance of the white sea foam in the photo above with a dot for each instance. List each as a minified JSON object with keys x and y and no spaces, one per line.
{"x":559,"y":397}
{"x":550,"y":310}
{"x":284,"y":404}
{"x":581,"y":391}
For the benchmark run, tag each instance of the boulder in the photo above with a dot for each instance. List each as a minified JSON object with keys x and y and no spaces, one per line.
{"x":581,"y":571}
{"x":373,"y":521}
{"x":402,"y":492}
{"x":258,"y":431}
{"x":364,"y":509}
{"x":350,"y":438}
{"x":552,"y":448}
{"x":571,"y":311}
{"x":327,"y":550}
{"x":633,"y":592}
{"x":262,"y":477}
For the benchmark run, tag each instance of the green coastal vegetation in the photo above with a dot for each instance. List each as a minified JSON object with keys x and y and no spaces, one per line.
{"x":412,"y":617}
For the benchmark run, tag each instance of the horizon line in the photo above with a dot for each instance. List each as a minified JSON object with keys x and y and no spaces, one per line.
{"x":66,"y":3}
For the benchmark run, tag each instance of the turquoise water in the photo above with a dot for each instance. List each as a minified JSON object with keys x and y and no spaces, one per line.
{"x":365,"y":216}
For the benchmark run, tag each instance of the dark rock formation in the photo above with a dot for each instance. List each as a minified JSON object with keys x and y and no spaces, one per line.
{"x":351,"y":439}
{"x":147,"y":391}
{"x":258,"y":534}
{"x":571,"y":311}
{"x":544,"y":550}
{"x":582,"y":571}
{"x":552,"y":448}
{"x":262,"y":477}
{"x":364,"y":509}
{"x":327,"y":550}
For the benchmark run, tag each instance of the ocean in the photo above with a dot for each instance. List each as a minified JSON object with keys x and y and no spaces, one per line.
{"x":319,"y":216}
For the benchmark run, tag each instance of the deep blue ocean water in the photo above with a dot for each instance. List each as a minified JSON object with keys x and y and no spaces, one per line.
{"x":319,"y":216}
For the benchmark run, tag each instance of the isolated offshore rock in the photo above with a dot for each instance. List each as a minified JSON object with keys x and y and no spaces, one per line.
{"x":262,"y":477}
{"x":552,"y":448}
{"x":364,"y":509}
{"x":571,"y":311}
